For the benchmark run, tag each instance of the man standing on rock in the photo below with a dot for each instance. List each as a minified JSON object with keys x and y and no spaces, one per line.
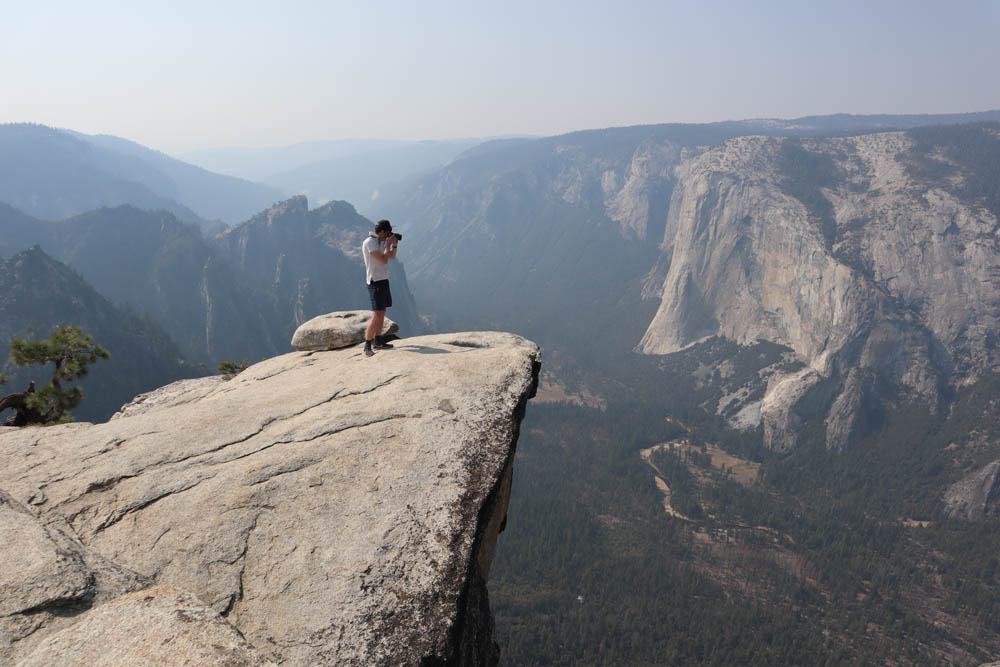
{"x":378,"y":249}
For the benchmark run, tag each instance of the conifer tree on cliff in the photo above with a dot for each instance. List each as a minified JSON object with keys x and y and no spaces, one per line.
{"x":71,"y":352}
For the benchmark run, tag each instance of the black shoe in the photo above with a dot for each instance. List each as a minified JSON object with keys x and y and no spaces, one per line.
{"x":383,"y":346}
{"x":368,"y":349}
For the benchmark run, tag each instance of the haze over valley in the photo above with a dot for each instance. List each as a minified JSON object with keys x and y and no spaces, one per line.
{"x":764,"y":429}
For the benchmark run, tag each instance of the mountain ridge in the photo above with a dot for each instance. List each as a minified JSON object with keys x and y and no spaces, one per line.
{"x":54,"y":174}
{"x":213,"y":196}
{"x":163,"y":266}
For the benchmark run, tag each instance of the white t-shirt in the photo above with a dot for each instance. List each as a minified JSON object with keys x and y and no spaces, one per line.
{"x":374,"y":269}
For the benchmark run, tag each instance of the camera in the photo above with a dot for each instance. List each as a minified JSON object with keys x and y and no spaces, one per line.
{"x":399,"y":237}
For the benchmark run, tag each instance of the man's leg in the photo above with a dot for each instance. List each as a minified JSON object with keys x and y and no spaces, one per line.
{"x":380,"y":342}
{"x":375,"y":324}
{"x":385,"y":301}
{"x":374,"y":328}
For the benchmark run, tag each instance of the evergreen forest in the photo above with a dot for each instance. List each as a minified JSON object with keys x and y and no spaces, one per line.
{"x":820,"y":558}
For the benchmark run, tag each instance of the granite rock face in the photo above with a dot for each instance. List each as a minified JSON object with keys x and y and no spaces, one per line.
{"x":335,"y":509}
{"x":333,"y":330}
{"x":47,"y":576}
{"x":975,"y":496}
{"x":779,"y":409}
{"x":156,"y":626}
{"x":882,"y":273}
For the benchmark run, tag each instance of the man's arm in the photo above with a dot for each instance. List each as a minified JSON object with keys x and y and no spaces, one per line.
{"x":383,"y":256}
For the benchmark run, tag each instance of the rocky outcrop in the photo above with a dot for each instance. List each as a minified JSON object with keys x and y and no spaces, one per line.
{"x":848,"y":416}
{"x":975,"y":496}
{"x":832,"y":248}
{"x":779,"y":410}
{"x":333,"y":330}
{"x":333,"y":508}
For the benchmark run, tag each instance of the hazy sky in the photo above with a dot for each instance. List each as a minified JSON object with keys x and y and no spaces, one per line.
{"x":184,"y":75}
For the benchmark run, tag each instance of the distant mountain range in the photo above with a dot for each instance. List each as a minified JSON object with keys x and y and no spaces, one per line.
{"x":212,"y":196}
{"x":54,"y":174}
{"x":257,"y":164}
{"x":358,"y":171}
{"x":237,"y":295}
{"x":577,"y":240}
{"x":852,"y":123}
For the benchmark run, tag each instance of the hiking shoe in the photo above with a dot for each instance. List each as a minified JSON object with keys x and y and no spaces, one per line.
{"x":369,"y":352}
{"x":383,"y":346}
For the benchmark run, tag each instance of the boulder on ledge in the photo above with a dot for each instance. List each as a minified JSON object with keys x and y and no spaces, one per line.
{"x":334,"y":330}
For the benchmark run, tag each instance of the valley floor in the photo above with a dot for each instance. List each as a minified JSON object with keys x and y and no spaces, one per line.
{"x":808,"y":558}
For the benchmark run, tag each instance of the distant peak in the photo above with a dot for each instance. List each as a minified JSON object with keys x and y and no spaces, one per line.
{"x":338,"y":206}
{"x":33,"y":250}
{"x":298,"y":202}
{"x":297,"y":205}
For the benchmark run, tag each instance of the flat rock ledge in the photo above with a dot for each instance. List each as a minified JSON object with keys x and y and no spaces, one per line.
{"x":336,"y":330}
{"x":321,"y":508}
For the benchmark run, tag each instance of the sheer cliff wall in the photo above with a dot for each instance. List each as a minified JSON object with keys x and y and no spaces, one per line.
{"x":881,"y":282}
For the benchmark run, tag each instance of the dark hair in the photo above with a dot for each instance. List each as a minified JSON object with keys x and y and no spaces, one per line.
{"x":383,"y":226}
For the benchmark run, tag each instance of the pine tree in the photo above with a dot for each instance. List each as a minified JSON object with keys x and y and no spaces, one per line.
{"x":71,"y":352}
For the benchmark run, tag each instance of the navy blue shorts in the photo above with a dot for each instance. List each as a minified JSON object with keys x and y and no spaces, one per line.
{"x":380,"y":295}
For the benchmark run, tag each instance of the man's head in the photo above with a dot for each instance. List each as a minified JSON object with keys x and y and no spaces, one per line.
{"x":383,"y":228}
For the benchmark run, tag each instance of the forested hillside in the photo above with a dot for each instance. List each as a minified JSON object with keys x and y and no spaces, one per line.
{"x":812,"y":557}
{"x":39,"y":294}
{"x":162,"y":267}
